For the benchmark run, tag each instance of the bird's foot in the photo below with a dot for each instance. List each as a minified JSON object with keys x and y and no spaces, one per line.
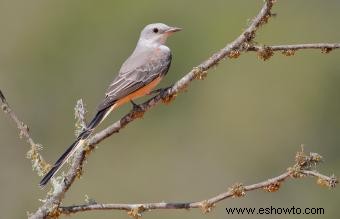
{"x":157,"y":91}
{"x":162,"y":91}
{"x":135,"y":106}
{"x":164,"y":94}
{"x":137,"y":110}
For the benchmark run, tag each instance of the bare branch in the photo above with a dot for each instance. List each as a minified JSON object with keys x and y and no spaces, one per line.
{"x":299,"y":170}
{"x":265,"y":52}
{"x":322,"y":46}
{"x":21,"y":126}
{"x":273,"y":182}
{"x":38,"y":162}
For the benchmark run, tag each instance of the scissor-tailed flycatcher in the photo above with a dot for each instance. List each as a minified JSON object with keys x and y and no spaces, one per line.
{"x":139,"y":74}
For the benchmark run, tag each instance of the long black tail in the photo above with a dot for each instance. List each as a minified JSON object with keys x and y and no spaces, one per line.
{"x":75,"y":145}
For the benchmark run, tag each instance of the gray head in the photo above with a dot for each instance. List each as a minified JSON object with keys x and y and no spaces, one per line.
{"x":157,"y":33}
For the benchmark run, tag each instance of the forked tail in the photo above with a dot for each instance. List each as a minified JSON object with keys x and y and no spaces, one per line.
{"x":100,"y":116}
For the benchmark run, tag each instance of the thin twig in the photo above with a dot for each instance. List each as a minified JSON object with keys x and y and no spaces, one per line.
{"x":38,"y":162}
{"x":322,"y":46}
{"x":237,"y":190}
{"x":265,"y":52}
{"x":21,"y":126}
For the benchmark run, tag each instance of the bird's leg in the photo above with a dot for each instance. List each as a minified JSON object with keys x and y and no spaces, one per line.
{"x":161,"y":91}
{"x":164,"y":94}
{"x":135,"y":106}
{"x":157,"y":91}
{"x":137,"y":110}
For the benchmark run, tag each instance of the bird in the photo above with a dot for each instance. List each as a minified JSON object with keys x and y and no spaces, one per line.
{"x":137,"y":77}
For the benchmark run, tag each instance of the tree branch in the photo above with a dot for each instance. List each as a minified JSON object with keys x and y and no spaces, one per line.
{"x":38,"y":162}
{"x":265,"y":52}
{"x":322,"y":46}
{"x":300,"y":169}
{"x":270,"y":185}
{"x":21,"y":126}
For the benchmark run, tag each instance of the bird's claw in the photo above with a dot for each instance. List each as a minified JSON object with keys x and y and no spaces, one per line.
{"x":161,"y":91}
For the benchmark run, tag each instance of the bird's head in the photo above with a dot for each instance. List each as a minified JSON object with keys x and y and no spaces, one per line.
{"x":157,"y":33}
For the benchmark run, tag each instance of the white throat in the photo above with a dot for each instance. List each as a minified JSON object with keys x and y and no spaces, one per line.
{"x":149,"y":43}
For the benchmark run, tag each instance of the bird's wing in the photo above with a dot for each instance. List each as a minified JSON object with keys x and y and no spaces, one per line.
{"x":131,"y":77}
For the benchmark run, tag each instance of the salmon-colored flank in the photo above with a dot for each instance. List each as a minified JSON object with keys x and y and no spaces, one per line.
{"x":138,"y":93}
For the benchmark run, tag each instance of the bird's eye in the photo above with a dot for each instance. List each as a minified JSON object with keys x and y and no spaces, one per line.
{"x":155,"y":30}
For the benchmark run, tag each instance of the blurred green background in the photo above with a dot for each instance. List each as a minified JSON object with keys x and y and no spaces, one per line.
{"x":243,"y":123}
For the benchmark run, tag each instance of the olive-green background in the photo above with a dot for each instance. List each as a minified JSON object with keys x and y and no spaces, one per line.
{"x":243,"y":123}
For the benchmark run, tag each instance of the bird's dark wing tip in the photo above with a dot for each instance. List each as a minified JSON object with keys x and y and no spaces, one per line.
{"x":47,"y":177}
{"x":2,"y":97}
